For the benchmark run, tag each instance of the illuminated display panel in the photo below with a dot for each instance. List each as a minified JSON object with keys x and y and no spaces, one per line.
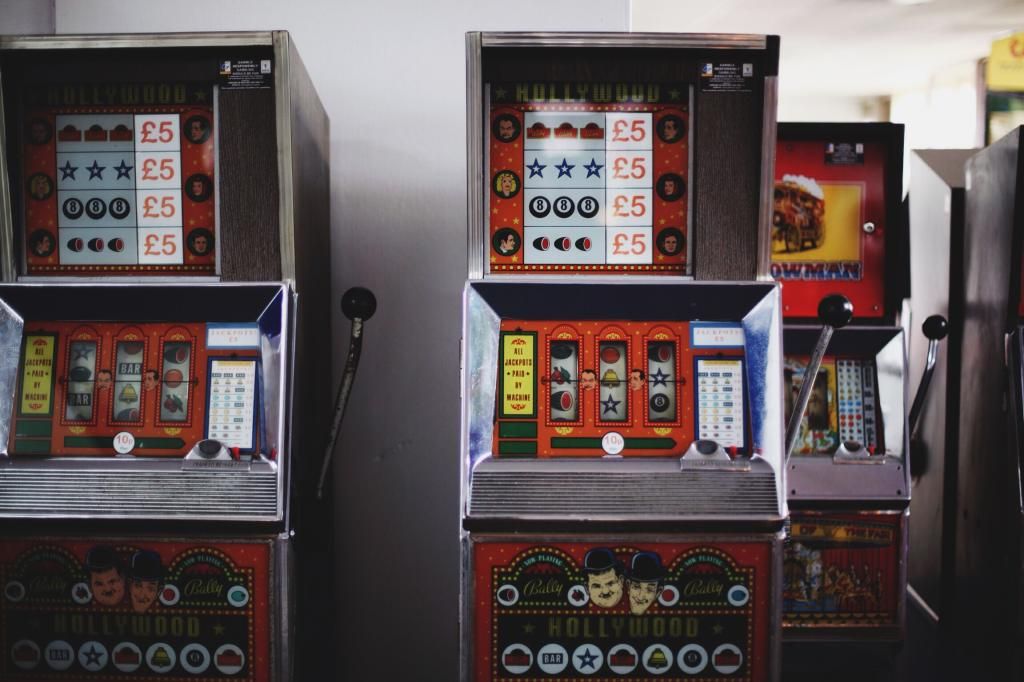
{"x":843,"y":405}
{"x":591,"y":388}
{"x":831,"y":222}
{"x":82,"y":384}
{"x":119,"y":179}
{"x":588,"y":178}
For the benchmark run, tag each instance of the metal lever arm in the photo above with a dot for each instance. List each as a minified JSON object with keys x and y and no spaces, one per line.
{"x":835,"y":311}
{"x":358,"y":304}
{"x":935,"y":329}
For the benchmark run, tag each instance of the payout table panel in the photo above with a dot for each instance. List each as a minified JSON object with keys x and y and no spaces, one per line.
{"x":119,"y":179}
{"x":588,"y":177}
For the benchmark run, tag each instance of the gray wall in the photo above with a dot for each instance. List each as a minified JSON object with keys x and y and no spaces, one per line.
{"x":392,"y":77}
{"x":27,"y":16}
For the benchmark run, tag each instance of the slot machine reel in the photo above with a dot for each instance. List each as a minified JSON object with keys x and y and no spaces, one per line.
{"x":357,"y":304}
{"x":834,"y":311}
{"x":935,"y":329}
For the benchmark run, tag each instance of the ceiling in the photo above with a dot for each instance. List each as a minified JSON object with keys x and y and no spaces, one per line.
{"x":850,"y":47}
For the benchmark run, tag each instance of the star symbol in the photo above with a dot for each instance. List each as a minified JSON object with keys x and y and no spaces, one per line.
{"x":611,"y":405}
{"x":537,"y":168}
{"x":659,"y":378}
{"x":95,"y":170}
{"x":92,"y":656}
{"x":218,"y":630}
{"x":587,"y":659}
{"x":564,"y":168}
{"x":717,"y":628}
{"x":82,"y":353}
{"x":200,"y":96}
{"x":499,"y":93}
{"x":673,"y":94}
{"x":123,"y":170}
{"x":593,"y":168}
{"x":67,"y":171}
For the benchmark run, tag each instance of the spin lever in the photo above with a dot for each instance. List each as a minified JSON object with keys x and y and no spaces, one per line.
{"x":935,"y":328}
{"x":358,"y":304}
{"x":835,"y":311}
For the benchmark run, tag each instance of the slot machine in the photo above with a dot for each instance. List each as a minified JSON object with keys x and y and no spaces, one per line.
{"x":986,"y":607}
{"x":623,"y":490}
{"x":163,"y":208}
{"x":838,"y":228}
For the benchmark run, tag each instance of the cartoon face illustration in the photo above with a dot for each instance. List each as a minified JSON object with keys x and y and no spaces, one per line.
{"x":636,"y":379}
{"x":104,"y":379}
{"x":670,"y":129}
{"x":200,"y":244}
{"x":143,"y":594}
{"x":506,"y":129}
{"x":642,"y":594}
{"x":588,"y":379}
{"x":107,"y":586}
{"x":671,"y":244}
{"x":150,"y":380}
{"x":606,"y":587}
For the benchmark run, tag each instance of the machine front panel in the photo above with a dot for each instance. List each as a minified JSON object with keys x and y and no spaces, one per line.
{"x":629,"y":388}
{"x":843,"y":405}
{"x":621,"y":608}
{"x":136,"y":608}
{"x":168,"y":386}
{"x":844,"y":571}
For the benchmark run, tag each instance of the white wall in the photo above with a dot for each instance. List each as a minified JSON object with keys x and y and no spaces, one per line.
{"x":19,"y":17}
{"x":398,"y":227}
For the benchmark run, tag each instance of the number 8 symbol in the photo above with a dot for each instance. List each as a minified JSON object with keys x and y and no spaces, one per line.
{"x":564,"y":207}
{"x":540,"y":207}
{"x":588,"y":207}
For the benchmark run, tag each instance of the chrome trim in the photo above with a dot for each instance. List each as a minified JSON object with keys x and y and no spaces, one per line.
{"x":86,"y":41}
{"x":285,"y":176}
{"x":11,"y":334}
{"x":8,"y":267}
{"x":709,"y":41}
{"x":769,"y":134}
{"x":475,"y":149}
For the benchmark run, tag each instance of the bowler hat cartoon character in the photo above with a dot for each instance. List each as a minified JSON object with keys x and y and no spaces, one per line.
{"x":645,"y":579}
{"x":106,"y":575}
{"x":604,"y":576}
{"x":145,"y":574}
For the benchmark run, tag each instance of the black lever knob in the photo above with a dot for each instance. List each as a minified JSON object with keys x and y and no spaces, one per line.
{"x":358,"y":302}
{"x":935,"y":328}
{"x":835,"y":310}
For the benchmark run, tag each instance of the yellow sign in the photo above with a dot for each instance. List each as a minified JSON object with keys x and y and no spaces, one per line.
{"x":1004,"y":71}
{"x":37,"y":375}
{"x":518,"y":369}
{"x":842,"y":532}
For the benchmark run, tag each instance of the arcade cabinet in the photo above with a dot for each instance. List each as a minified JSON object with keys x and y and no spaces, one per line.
{"x":623,"y":491}
{"x":837,"y":227}
{"x":164,"y":207}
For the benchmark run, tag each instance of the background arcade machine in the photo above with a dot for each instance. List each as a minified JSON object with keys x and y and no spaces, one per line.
{"x":158,"y":229}
{"x":937,"y":189}
{"x":838,"y":228}
{"x":623,"y":494}
{"x":986,"y":608}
